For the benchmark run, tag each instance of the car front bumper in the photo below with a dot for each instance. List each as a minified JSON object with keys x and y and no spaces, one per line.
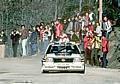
{"x":79,"y":66}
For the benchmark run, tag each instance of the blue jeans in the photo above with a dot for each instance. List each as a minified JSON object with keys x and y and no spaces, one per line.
{"x":104,"y":63}
{"x":33,"y":48}
{"x":24,"y":49}
{"x":45,"y":44}
{"x":41,"y":46}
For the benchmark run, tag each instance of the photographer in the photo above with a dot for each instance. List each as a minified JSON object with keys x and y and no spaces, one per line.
{"x":96,"y":44}
{"x":15,"y":35}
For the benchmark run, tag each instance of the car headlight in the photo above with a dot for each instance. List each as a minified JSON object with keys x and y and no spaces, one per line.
{"x":78,"y":60}
{"x":49,"y":59}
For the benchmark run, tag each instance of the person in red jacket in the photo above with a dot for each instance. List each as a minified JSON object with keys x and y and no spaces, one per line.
{"x":105,"y":49}
{"x":87,"y":47}
{"x":91,"y":27}
{"x":58,"y":29}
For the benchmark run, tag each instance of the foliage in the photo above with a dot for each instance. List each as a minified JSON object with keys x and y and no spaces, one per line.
{"x":110,"y":9}
{"x":13,"y":13}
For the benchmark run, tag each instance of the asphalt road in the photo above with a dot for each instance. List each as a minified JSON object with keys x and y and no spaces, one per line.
{"x":27,"y":70}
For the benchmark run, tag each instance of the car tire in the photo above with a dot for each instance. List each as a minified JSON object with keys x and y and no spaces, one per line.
{"x":82,"y":72}
{"x":45,"y":71}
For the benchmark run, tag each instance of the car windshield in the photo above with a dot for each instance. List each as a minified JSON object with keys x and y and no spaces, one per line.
{"x":63,"y":49}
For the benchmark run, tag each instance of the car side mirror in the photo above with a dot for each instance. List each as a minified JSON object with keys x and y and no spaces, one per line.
{"x":43,"y":59}
{"x":82,"y":52}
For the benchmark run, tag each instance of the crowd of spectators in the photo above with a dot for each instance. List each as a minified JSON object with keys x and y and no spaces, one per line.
{"x":83,"y":29}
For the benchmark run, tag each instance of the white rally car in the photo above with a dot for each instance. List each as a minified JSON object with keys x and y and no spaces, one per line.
{"x":63,"y":57}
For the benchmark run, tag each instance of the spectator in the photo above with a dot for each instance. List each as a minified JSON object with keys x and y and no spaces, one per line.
{"x":63,"y":37}
{"x":105,"y":46}
{"x":41,"y":33}
{"x":87,"y":19}
{"x":87,"y":47}
{"x":95,"y":49}
{"x":69,"y":28}
{"x":90,"y":27}
{"x":75,"y":38}
{"x":24,"y":38}
{"x":92,"y":17}
{"x":45,"y":39}
{"x":98,"y":30}
{"x":81,"y":25}
{"x":33,"y":41}
{"x":47,"y":29}
{"x":107,"y":26}
{"x":15,"y":36}
{"x":65,"y":24}
{"x":73,"y":26}
{"x":59,"y":29}
{"x":38,"y":30}
{"x":76,"y":25}
{"x":53,"y":31}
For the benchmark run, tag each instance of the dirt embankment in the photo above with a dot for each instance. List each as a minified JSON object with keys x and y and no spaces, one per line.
{"x":114,"y":52}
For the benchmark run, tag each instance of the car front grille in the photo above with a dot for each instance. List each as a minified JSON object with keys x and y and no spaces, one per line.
{"x":63,"y":60}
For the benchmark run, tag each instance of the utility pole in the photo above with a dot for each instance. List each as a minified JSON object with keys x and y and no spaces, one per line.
{"x":2,"y":25}
{"x":80,"y":5}
{"x":119,"y":3}
{"x":22,"y":6}
{"x":6,"y":26}
{"x":56,"y":9}
{"x":100,"y":12}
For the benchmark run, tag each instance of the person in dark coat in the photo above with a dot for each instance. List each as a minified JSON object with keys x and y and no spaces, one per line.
{"x":33,"y":41}
{"x":105,"y":49}
{"x":53,"y":30}
{"x":15,"y":36}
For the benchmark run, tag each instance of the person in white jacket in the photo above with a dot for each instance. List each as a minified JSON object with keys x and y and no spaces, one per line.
{"x":98,"y":30}
{"x":63,"y":38}
{"x":107,"y":26}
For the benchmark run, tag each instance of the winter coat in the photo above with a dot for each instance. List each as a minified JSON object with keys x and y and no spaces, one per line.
{"x":99,"y":31}
{"x":64,"y":38}
{"x":105,"y":45}
{"x":87,"y":42}
{"x":75,"y":38}
{"x":59,"y":29}
{"x":91,"y":28}
{"x":33,"y":37}
{"x":96,"y":42}
{"x":87,"y":19}
{"x":24,"y":33}
{"x":107,"y":26}
{"x":69,"y":28}
{"x":15,"y":38}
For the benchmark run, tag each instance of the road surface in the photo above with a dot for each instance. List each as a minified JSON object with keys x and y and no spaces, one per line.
{"x":27,"y":70}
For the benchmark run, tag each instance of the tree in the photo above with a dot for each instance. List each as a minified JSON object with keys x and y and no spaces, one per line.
{"x":13,"y":13}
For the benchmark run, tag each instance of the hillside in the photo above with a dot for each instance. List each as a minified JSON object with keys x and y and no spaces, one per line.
{"x":114,"y":53}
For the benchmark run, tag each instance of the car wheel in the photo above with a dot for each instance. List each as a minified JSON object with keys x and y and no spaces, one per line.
{"x":82,"y":71}
{"x":45,"y":71}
